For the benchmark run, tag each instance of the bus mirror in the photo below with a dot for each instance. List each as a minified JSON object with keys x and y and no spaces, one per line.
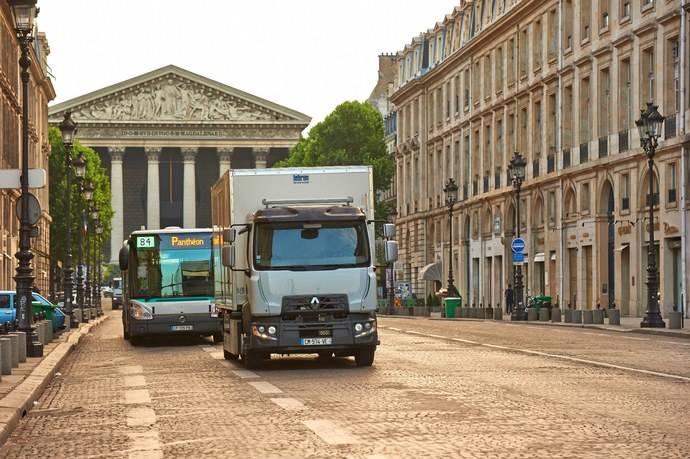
{"x":391,"y":251}
{"x":124,"y":258}
{"x":389,"y":230}
{"x":228,"y":256}
{"x":229,"y":235}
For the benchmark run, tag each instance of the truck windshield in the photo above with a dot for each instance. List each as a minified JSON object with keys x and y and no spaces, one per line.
{"x":311,"y":246}
{"x":171,"y":265}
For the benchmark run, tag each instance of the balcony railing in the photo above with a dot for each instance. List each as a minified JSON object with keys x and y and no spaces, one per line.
{"x":623,"y":144}
{"x":670,"y":126}
{"x":584,"y":152}
{"x":550,"y":164}
{"x":535,"y":168}
{"x":566,"y":158}
{"x":603,"y":147}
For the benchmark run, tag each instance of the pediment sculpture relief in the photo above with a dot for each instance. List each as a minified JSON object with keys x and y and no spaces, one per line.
{"x":171,"y":100}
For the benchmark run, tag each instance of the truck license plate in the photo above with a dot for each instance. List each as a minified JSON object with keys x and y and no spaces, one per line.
{"x":182,"y":327}
{"x":316,"y":341}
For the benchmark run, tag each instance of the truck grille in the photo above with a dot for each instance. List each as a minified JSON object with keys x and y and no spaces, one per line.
{"x":302,"y":306}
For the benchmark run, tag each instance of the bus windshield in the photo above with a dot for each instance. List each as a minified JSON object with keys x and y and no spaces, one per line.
{"x":311,"y":246}
{"x":171,"y":265}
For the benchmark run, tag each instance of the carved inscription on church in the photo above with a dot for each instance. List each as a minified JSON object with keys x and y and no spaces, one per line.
{"x":173,"y":99}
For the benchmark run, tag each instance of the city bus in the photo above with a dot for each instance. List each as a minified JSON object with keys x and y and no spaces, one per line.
{"x":168,"y":286}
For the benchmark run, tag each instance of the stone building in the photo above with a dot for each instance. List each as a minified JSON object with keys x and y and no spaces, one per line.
{"x":166,"y":136}
{"x":40,"y":93}
{"x":562,"y":82}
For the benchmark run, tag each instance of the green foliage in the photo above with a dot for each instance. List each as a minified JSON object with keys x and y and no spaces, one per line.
{"x":96,"y":174}
{"x":350,"y":135}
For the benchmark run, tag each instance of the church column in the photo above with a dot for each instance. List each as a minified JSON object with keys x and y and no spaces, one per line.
{"x":224,"y":160}
{"x":153,"y":200}
{"x":260,"y":157}
{"x":116,"y":201}
{"x":189,"y":187}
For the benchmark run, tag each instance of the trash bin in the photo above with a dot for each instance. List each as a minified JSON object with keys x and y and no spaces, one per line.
{"x":450,"y":305}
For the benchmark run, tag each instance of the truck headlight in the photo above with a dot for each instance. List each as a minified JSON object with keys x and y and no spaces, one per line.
{"x":140,"y":312}
{"x":272,"y":330}
{"x":358,"y":328}
{"x":366,"y":330}
{"x":260,"y":332}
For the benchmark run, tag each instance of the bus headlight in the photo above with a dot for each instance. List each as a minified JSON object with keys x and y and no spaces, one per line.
{"x":139,"y":312}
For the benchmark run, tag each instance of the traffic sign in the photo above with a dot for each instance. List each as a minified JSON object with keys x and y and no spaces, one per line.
{"x":518,"y":258}
{"x":518,"y":245}
{"x":11,"y":178}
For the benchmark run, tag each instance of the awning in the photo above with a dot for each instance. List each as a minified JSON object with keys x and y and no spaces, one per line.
{"x":431,"y":272}
{"x":539,"y":257}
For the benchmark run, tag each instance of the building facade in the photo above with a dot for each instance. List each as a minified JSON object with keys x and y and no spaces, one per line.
{"x":40,"y":93}
{"x":166,"y":136}
{"x":562,"y":82}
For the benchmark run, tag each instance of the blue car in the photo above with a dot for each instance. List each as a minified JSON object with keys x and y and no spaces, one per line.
{"x":8,"y":310}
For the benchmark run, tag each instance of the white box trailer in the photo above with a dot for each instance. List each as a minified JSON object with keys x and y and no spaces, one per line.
{"x":298,"y":273}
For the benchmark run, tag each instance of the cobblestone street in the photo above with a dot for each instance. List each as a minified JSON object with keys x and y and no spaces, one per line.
{"x":437,"y":389}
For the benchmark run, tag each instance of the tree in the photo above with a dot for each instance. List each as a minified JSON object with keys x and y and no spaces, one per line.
{"x":96,"y":174}
{"x":350,"y":135}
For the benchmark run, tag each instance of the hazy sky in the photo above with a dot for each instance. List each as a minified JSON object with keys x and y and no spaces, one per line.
{"x":309,"y":55}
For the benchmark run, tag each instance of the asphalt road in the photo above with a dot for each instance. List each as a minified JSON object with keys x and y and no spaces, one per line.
{"x":437,"y":389}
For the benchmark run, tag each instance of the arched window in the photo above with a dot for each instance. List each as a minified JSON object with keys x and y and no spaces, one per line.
{"x":570,"y":205}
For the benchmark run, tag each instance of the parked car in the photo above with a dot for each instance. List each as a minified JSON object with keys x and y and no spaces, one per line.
{"x":117,"y":292}
{"x":107,"y":291}
{"x":8,"y":311}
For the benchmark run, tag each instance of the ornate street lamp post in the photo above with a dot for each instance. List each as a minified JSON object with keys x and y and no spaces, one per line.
{"x":99,"y":233}
{"x":68,"y":128}
{"x":649,"y":126}
{"x":24,"y":12}
{"x":86,"y":191}
{"x":79,"y":165}
{"x":517,"y":172}
{"x":391,"y":288}
{"x":451,"y":191}
{"x":93,"y":284}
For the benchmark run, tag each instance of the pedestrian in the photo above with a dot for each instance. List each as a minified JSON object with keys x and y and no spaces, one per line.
{"x":509,"y":299}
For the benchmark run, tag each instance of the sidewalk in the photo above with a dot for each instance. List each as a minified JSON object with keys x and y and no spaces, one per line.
{"x":628,"y":325}
{"x":19,"y":390}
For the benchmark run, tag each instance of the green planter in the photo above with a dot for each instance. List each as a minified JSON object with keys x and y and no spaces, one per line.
{"x":555,"y":315}
{"x":532,"y":314}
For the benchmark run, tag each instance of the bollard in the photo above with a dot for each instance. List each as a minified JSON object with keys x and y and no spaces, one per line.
{"x":598,"y":316}
{"x":577,"y":316}
{"x":22,"y":345}
{"x":532,"y":314}
{"x":14,"y":341}
{"x":614,"y":316}
{"x":5,"y":356}
{"x":77,"y":315}
{"x":587,"y":316}
{"x":39,"y":330}
{"x":674,"y":320}
{"x":498,"y":313}
{"x":543,"y":314}
{"x":568,"y":316}
{"x":49,"y":330}
{"x":555,"y":315}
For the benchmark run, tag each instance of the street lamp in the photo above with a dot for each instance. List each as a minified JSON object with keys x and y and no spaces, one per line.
{"x":86,"y":190}
{"x":649,"y":126}
{"x":451,"y":191}
{"x":79,"y":165}
{"x":68,"y":128}
{"x":517,"y":172}
{"x":24,"y":12}
{"x":99,"y":233}
{"x":92,"y":261}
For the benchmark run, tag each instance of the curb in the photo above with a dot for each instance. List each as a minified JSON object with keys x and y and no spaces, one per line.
{"x":610,"y":328}
{"x":19,"y":401}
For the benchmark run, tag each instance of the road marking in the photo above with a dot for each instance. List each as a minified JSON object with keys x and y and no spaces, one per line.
{"x":145,"y":445}
{"x":289,"y":404}
{"x":135,"y":381}
{"x":137,"y":396}
{"x":265,"y":387}
{"x":562,"y":357}
{"x":394,"y":329}
{"x":675,"y":342}
{"x":635,"y":339}
{"x":131,"y":369}
{"x":208,"y":348}
{"x":330,"y":433}
{"x":141,"y":416}
{"x":217,"y":355}
{"x":245,"y":374}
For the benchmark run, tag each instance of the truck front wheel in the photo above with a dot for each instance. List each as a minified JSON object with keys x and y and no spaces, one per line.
{"x":365,"y":357}
{"x":229,"y":355}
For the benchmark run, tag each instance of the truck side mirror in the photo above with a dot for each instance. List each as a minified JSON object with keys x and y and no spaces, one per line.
{"x":229,"y":235}
{"x":391,"y":251}
{"x":228,"y":256}
{"x":389,"y":230}
{"x":123,"y":258}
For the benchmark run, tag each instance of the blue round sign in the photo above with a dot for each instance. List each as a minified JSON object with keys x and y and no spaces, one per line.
{"x":518,"y":245}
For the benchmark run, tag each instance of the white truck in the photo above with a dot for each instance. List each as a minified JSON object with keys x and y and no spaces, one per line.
{"x":299,"y":272}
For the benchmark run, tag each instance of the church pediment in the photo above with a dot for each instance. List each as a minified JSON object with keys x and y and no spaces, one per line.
{"x":174,"y":95}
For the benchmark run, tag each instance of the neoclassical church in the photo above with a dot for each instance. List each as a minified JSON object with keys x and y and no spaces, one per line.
{"x":166,"y":136}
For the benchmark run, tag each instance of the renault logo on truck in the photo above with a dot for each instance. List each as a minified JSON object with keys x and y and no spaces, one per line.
{"x":314,"y":303}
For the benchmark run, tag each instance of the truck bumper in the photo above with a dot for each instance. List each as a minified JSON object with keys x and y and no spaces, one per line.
{"x":292,"y":337}
{"x":201,"y":324}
